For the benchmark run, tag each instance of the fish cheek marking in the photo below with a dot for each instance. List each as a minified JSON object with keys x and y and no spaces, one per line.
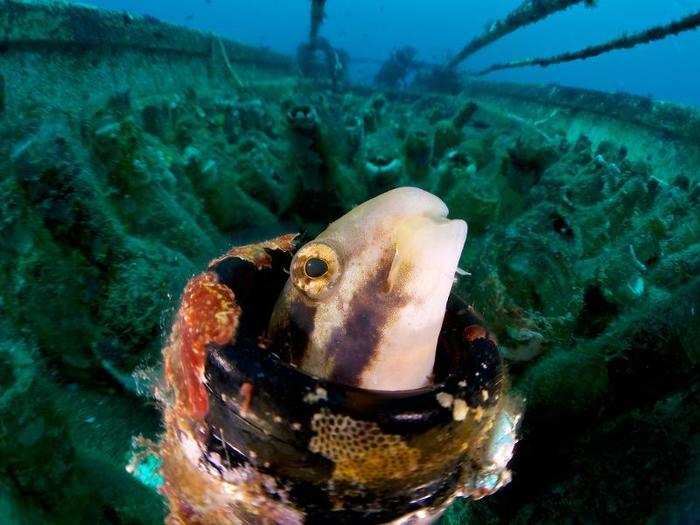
{"x":355,"y":343}
{"x":352,"y":353}
{"x":301,"y":325}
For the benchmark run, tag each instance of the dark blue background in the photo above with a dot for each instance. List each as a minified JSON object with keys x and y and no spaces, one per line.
{"x":668,"y":70}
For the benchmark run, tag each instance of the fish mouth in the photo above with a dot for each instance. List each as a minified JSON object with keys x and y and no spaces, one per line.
{"x":431,"y":243}
{"x":425,"y":231}
{"x":438,"y":212}
{"x":457,"y":230}
{"x":427,"y":204}
{"x":437,"y":236}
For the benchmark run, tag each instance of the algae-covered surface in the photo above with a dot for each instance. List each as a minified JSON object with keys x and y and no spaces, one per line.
{"x":583,"y":258}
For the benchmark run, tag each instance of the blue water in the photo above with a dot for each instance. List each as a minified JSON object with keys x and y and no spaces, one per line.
{"x":666,"y":70}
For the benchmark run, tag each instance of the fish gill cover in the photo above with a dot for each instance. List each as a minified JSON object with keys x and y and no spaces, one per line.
{"x":134,"y":151}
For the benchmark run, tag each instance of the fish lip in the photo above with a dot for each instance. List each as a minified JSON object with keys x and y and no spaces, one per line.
{"x":440,"y":214}
{"x":434,"y":207}
{"x":459,"y":227}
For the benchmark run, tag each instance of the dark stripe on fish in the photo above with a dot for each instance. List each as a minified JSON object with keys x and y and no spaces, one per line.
{"x":367,"y":316}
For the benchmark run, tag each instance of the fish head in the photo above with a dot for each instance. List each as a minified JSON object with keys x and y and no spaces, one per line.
{"x":366,"y":298}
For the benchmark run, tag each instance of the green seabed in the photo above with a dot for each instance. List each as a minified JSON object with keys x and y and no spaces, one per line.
{"x":583,"y":256}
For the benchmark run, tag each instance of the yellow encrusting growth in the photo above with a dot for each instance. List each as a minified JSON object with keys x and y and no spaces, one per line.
{"x":362,"y":453}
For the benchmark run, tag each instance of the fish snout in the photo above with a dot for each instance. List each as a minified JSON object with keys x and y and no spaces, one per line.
{"x":427,"y":253}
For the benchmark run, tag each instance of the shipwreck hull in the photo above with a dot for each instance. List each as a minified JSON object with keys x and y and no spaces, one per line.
{"x":70,"y":59}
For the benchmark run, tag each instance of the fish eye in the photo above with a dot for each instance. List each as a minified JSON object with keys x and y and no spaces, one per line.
{"x":315,"y":267}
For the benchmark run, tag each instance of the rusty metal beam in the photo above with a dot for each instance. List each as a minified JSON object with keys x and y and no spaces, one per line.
{"x":318,"y":14}
{"x":529,"y":12}
{"x":652,"y":34}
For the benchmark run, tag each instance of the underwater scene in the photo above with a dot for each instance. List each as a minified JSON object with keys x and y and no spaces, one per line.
{"x":349,"y":261}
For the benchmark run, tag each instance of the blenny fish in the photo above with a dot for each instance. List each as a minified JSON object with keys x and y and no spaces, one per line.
{"x":366,"y":298}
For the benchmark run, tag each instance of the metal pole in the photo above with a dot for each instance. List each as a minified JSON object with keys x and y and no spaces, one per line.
{"x":529,"y":12}
{"x":318,"y":8}
{"x":624,"y":42}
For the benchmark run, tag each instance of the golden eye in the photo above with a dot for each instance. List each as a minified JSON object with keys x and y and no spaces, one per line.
{"x":315,"y":269}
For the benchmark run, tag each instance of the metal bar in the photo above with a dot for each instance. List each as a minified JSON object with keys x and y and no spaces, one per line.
{"x":624,"y":42}
{"x":318,"y":14}
{"x":529,"y":12}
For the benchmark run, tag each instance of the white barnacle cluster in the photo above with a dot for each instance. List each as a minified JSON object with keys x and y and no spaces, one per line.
{"x":317,"y":395}
{"x":459,"y":407}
